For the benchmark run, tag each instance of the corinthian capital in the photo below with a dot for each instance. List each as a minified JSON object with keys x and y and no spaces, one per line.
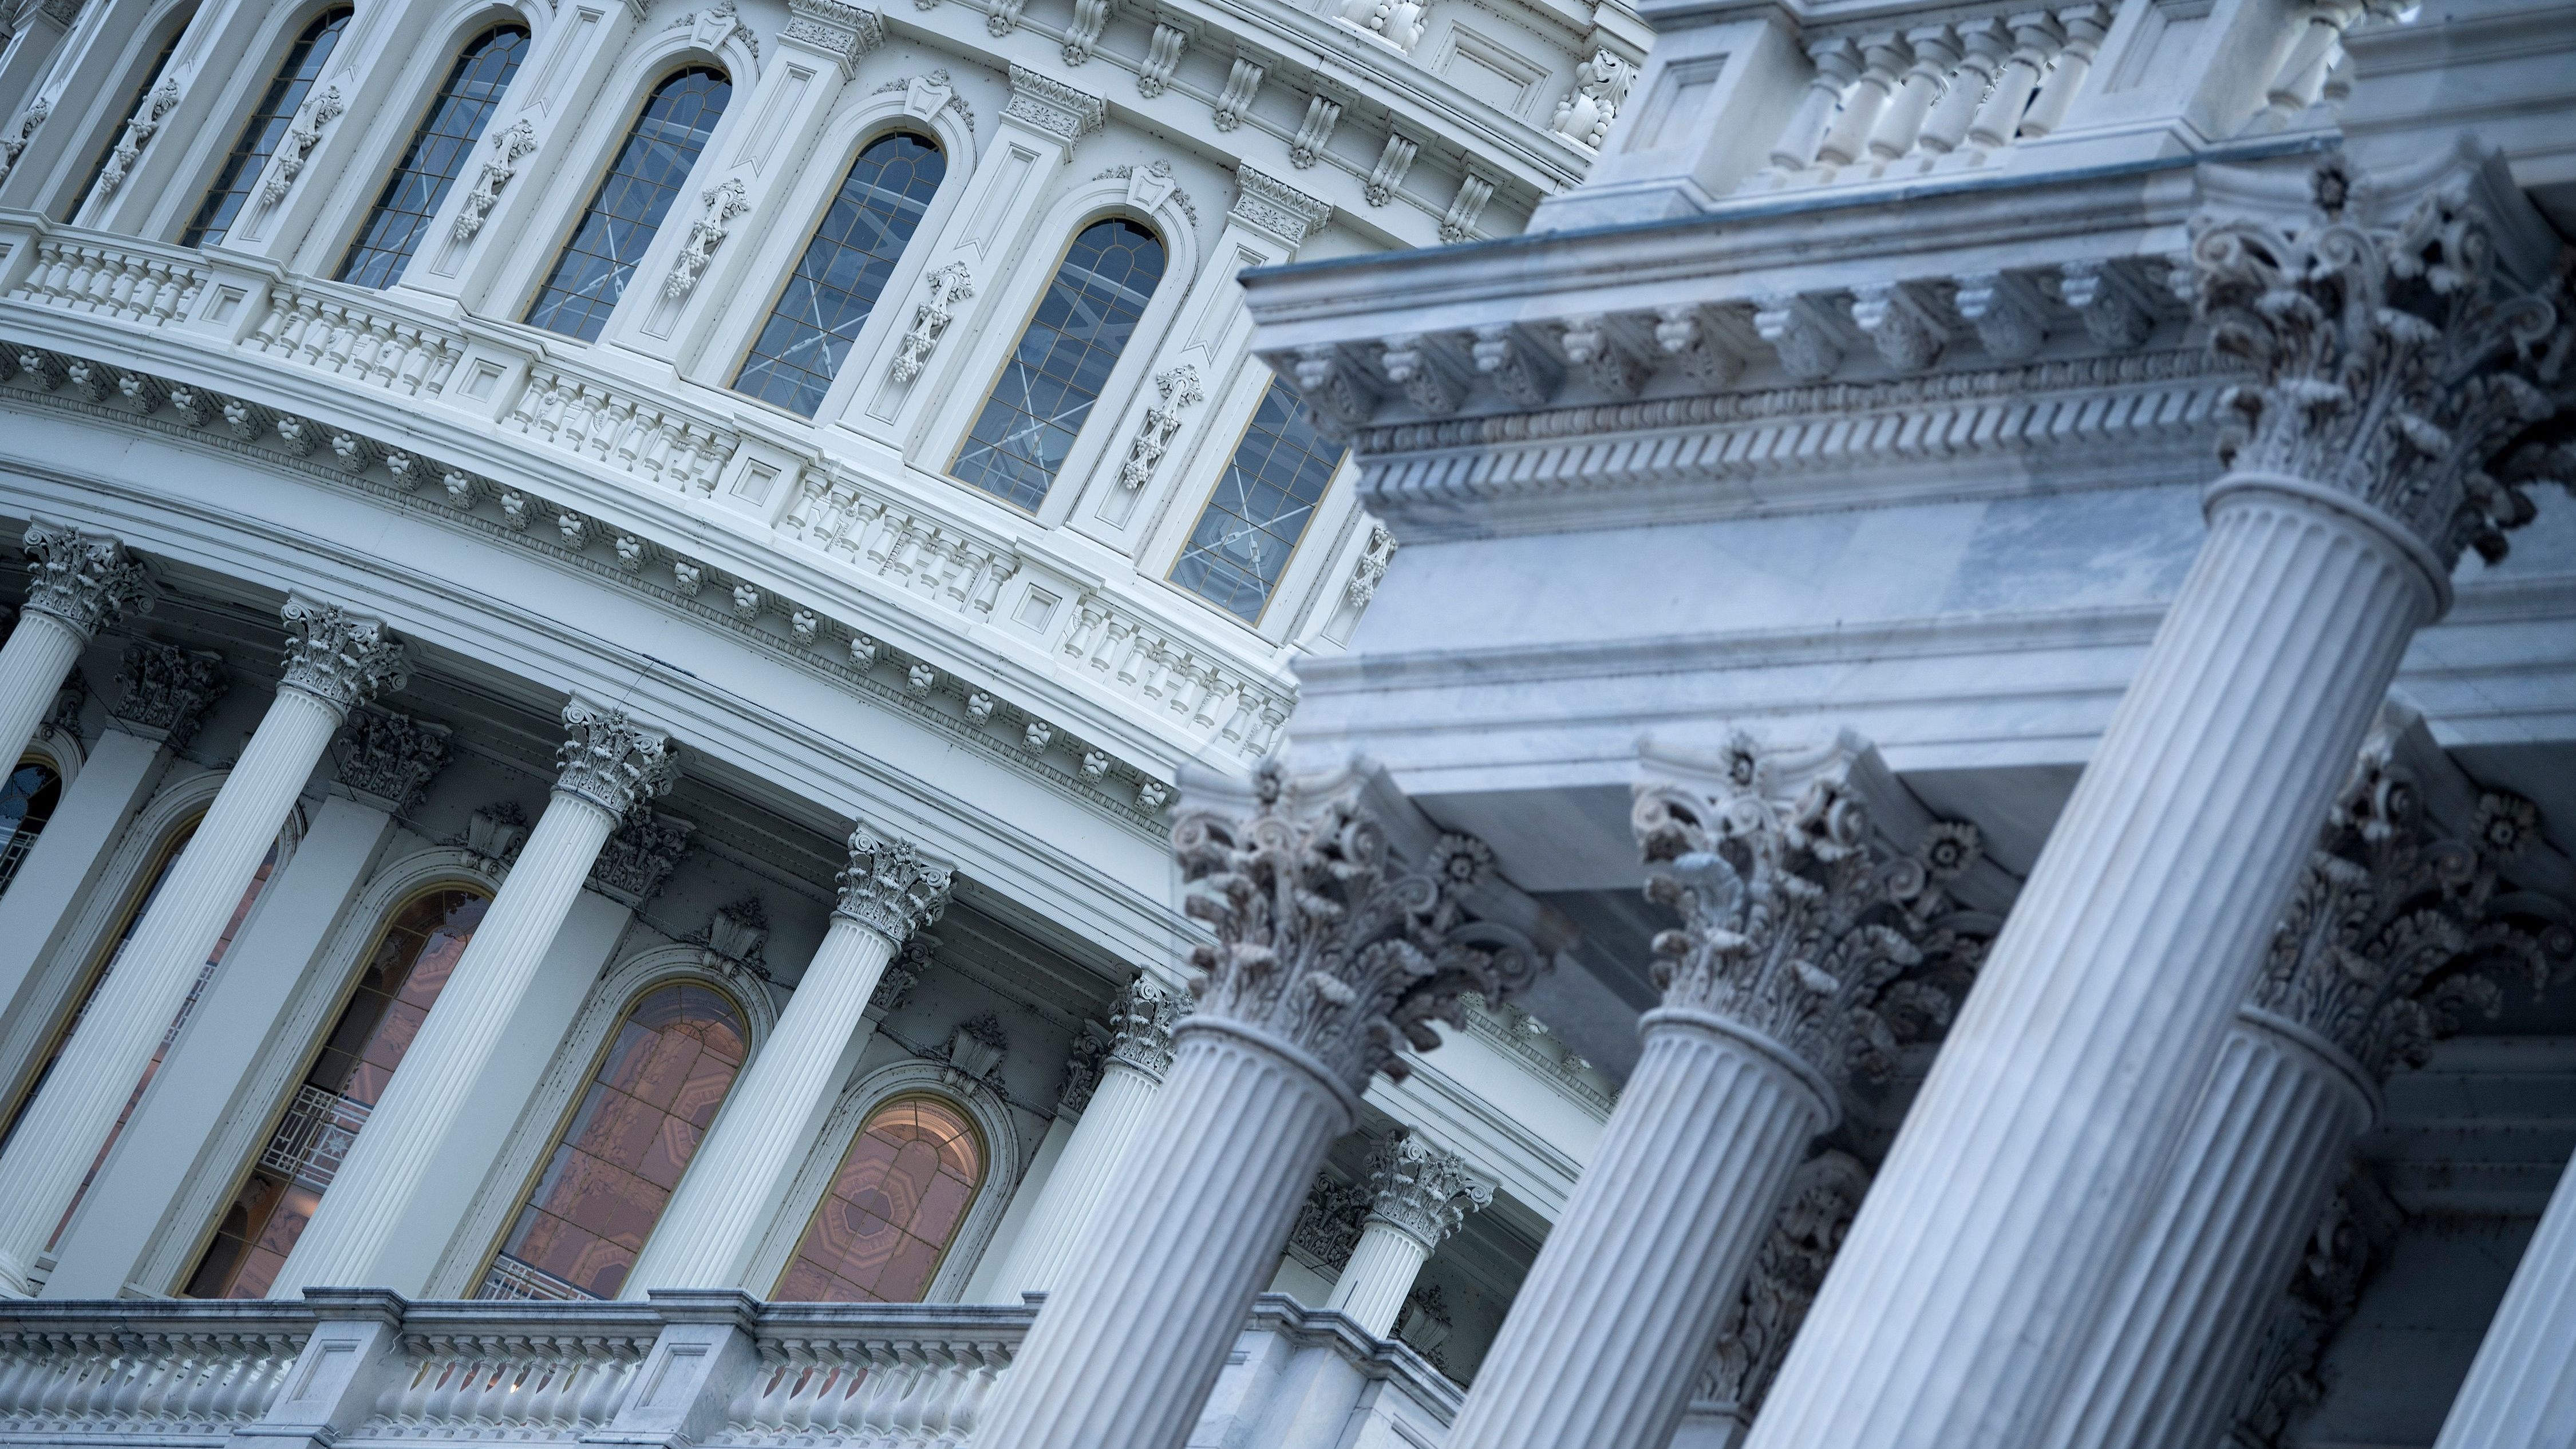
{"x":167,"y":690}
{"x":1424,"y":1190}
{"x":2395,"y":931}
{"x":339,"y":656}
{"x":1141,"y":1018}
{"x":1824,"y":1196}
{"x":613,"y":761}
{"x":2399,"y":366}
{"x":1327,"y":943}
{"x":1800,"y":923}
{"x":891,"y":886}
{"x":85,"y":579}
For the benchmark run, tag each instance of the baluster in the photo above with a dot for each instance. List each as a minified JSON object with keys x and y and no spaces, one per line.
{"x":137,"y":1368}
{"x":58,"y":280}
{"x":990,"y":1360}
{"x":1836,"y":63}
{"x":1881,"y":57}
{"x":127,"y":273}
{"x":20,"y":1365}
{"x":2085,"y":25}
{"x":1936,"y":53}
{"x":340,"y":332}
{"x":386,"y":350}
{"x":173,"y":1394}
{"x":157,"y":298}
{"x":611,"y":1361}
{"x":2035,"y":38}
{"x":230,"y":1359}
{"x":87,"y":1389}
{"x":884,"y":1387}
{"x":76,"y":291}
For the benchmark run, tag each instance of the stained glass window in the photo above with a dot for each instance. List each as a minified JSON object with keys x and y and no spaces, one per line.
{"x":892,"y":1210}
{"x":1260,"y":508}
{"x":843,"y":272}
{"x":1063,"y":361}
{"x":629,"y":206}
{"x":648,"y":1107}
{"x":27,"y":801}
{"x":142,"y":93}
{"x":438,"y":152}
{"x":268,"y":124}
{"x":404,"y":974}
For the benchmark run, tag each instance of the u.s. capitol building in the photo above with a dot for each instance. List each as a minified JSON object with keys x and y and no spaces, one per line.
{"x":1123,"y":724}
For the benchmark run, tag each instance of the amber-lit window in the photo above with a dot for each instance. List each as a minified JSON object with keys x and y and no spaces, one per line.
{"x":27,"y":801}
{"x":892,"y":1210}
{"x":649,"y":1105}
{"x":267,"y":125}
{"x":629,"y":206}
{"x":404,"y":974}
{"x":438,"y":153}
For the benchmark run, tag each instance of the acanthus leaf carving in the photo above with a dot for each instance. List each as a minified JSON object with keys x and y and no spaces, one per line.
{"x":1394,"y":22}
{"x":1521,"y":369}
{"x":1904,"y":329}
{"x":1328,"y":1225}
{"x":2010,"y":319}
{"x":320,"y":109}
{"x":1432,"y":378}
{"x":890,"y":887}
{"x":839,"y":31}
{"x":1049,"y":106}
{"x":138,"y":133}
{"x":612,"y":760}
{"x":1824,"y":1195}
{"x":83,"y":578}
{"x":340,"y":656}
{"x":167,"y":690}
{"x":30,"y":121}
{"x":390,"y":756}
{"x":1800,"y":335}
{"x":1141,"y":1018}
{"x":1423,"y":1190}
{"x":640,"y":855}
{"x":1272,"y":206}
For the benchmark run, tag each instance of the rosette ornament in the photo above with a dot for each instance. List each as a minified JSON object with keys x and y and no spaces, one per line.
{"x":1326,"y":942}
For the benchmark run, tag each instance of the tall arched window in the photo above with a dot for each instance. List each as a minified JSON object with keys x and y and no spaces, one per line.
{"x":658,"y":1086}
{"x":629,"y":206}
{"x":827,"y":298}
{"x":409,"y":966}
{"x":27,"y":801}
{"x":1056,"y":373}
{"x":1260,"y":508}
{"x":437,"y":153}
{"x":133,"y":108}
{"x":267,"y":125}
{"x":892,"y":1210}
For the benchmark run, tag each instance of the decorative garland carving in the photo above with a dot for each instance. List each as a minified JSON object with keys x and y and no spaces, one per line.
{"x":1179,"y":388}
{"x":138,"y":134}
{"x":718,"y":205}
{"x":510,"y":145}
{"x":946,"y":287}
{"x":319,"y":110}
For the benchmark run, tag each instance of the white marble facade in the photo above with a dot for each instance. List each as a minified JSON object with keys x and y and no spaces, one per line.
{"x":1066,"y":725}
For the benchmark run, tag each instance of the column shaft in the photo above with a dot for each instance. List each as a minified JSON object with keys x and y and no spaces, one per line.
{"x":1120,"y":1106}
{"x":2243,"y":1194}
{"x":133,"y":1005}
{"x":1624,"y":1302}
{"x":705,"y":1237}
{"x":1379,"y":1276}
{"x":2521,"y":1389}
{"x":2030,"y":1155}
{"x":384,"y":1166}
{"x":40,"y":652}
{"x":1129,"y":1347}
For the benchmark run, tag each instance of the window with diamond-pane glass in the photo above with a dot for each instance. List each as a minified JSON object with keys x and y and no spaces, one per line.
{"x":410,"y":964}
{"x":1046,"y":390}
{"x":438,"y":152}
{"x":649,"y":1105}
{"x":1260,"y":509}
{"x":837,"y":282}
{"x":630,"y":204}
{"x":892,"y":1209}
{"x":268,"y":124}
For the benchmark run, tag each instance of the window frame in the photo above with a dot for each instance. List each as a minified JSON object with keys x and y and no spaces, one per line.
{"x":391,"y":163}
{"x":209,"y":168}
{"x":666,"y":70}
{"x":956,"y":1237}
{"x":142,"y":97}
{"x":1207,"y":499}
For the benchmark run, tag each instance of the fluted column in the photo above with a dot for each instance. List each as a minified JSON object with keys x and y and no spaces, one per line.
{"x":334,"y":660}
{"x":2521,"y":1389}
{"x":2029,"y":1158}
{"x":706,"y":1235}
{"x":1419,"y":1196}
{"x":2386,"y":937}
{"x":1797,"y":919}
{"x":611,"y":765}
{"x":77,"y":582}
{"x":1329,"y":955}
{"x":1139,"y":1055}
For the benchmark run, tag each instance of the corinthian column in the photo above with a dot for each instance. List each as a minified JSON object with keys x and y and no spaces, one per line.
{"x":704,"y":1240}
{"x":2521,"y":1389}
{"x":1140,"y":1052}
{"x":334,"y":660}
{"x":77,"y":581}
{"x":1419,"y":1194}
{"x":2373,"y":406}
{"x":2384,"y":945}
{"x":612,"y":765}
{"x":1802,"y":958}
{"x":1329,"y":956}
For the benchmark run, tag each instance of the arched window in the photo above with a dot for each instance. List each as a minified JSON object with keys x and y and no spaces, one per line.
{"x":1054,"y":376}
{"x":892,"y":1210}
{"x":1260,"y":508}
{"x":657,"y":1089}
{"x":142,"y":93}
{"x":160,"y":873}
{"x":27,"y":801}
{"x":629,"y":206}
{"x":438,"y":151}
{"x":267,"y":125}
{"x":827,"y":298}
{"x":410,"y":964}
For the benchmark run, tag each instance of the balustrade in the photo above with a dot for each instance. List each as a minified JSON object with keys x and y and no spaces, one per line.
{"x":335,"y":335}
{"x":120,"y":1373}
{"x":127,"y":283}
{"x":643,"y":439}
{"x":544,"y":1380}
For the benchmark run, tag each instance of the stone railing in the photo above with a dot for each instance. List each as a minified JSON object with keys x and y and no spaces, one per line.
{"x":149,"y":285}
{"x":610,"y":424}
{"x":359,"y":1367}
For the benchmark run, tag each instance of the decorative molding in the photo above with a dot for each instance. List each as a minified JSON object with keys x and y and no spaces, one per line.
{"x":1601,"y":87}
{"x":737,"y":931}
{"x":1162,"y":57}
{"x":1323,"y":113}
{"x":339,"y":656}
{"x":1460,"y":223}
{"x":840,"y":32}
{"x":1049,"y":106}
{"x":1082,"y":37}
{"x":1179,"y":388}
{"x":1800,"y":924}
{"x":711,"y":28}
{"x":890,"y":887}
{"x":612,"y":760}
{"x":1421,"y":1190}
{"x":320,"y":109}
{"x":1394,"y":160}
{"x":2348,"y":1247}
{"x":138,"y":133}
{"x":1141,"y":1018}
{"x":494,"y":835}
{"x":639,"y":856}
{"x":945,"y":288}
{"x":2396,"y":366}
{"x":390,"y":757}
{"x":1082,"y":1067}
{"x":1823,"y":1196}
{"x":167,"y":690}
{"x":1370,"y":569}
{"x":1328,"y":1226}
{"x":1324,"y":941}
{"x":975,"y":1051}
{"x":1276,"y":209}
{"x":718,"y":205}
{"x":510,"y":145}
{"x":894,"y":987}
{"x":30,"y":121}
{"x":84,"y":578}
{"x":1242,"y":84}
